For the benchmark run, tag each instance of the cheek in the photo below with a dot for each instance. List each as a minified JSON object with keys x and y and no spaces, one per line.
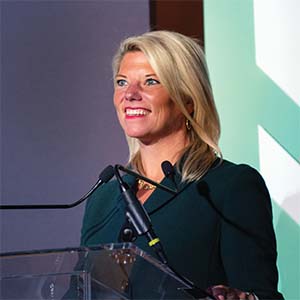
{"x":117,"y":105}
{"x":172,"y":110}
{"x":175,"y":115}
{"x":117,"y":100}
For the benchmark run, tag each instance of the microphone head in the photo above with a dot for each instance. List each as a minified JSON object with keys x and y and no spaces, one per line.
{"x":167,"y":168}
{"x":107,"y":174}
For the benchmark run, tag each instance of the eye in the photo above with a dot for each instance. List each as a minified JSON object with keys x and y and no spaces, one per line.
{"x":152,"y":81}
{"x":121,"y":82}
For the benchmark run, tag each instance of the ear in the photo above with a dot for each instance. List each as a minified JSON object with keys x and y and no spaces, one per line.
{"x":189,"y":106}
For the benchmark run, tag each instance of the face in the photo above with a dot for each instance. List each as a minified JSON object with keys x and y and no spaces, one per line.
{"x":143,"y":105}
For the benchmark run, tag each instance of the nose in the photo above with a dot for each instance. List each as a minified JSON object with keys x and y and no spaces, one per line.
{"x":133,"y":92}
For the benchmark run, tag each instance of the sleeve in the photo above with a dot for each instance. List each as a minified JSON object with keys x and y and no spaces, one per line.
{"x":248,"y":245}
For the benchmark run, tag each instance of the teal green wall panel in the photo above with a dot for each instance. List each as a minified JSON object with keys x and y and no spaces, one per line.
{"x":247,"y":97}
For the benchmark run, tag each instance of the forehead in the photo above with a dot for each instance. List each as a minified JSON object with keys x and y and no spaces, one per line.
{"x":135,"y":60}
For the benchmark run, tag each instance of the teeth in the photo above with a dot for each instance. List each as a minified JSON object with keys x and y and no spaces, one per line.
{"x":136,"y":112}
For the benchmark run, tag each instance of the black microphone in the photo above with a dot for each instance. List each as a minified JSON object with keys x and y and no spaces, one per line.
{"x":169,"y":172}
{"x":104,"y":177}
{"x":139,"y":217}
{"x":137,"y":175}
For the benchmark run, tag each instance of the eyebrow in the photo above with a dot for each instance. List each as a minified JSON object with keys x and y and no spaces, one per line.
{"x":147,"y":75}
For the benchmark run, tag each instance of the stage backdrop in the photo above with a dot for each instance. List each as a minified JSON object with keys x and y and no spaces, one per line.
{"x":253,"y":50}
{"x":58,"y":125}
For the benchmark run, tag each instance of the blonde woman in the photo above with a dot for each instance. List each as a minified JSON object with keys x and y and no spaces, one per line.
{"x":217,"y":231}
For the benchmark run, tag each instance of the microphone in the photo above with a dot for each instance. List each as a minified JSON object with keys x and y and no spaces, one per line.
{"x":161,"y":186}
{"x":169,"y":172}
{"x":104,"y":177}
{"x":139,"y":217}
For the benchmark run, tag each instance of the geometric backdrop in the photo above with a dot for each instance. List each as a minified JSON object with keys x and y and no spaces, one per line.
{"x":253,"y":51}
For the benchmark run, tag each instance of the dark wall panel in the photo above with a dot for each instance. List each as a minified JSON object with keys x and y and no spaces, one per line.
{"x":58,"y":125}
{"x":177,"y":15}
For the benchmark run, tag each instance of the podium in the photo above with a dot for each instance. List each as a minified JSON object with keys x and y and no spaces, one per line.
{"x":111,"y":271}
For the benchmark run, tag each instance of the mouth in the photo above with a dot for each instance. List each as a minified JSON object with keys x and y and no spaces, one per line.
{"x":136,"y":112}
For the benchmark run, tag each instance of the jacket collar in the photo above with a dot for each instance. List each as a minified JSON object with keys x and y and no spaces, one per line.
{"x":160,"y":198}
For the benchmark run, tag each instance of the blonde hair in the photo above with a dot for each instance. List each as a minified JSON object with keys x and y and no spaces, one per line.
{"x":179,"y":63}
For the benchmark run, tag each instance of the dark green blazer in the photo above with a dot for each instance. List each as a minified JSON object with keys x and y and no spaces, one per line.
{"x":217,"y":230}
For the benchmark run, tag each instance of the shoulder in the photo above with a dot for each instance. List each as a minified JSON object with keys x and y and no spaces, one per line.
{"x":230,"y":168}
{"x":101,"y":205}
{"x":100,"y":195}
{"x":104,"y":206}
{"x":101,"y":202}
{"x":244,"y":177}
{"x":237,"y":185}
{"x":241,"y":191}
{"x":105,"y":199}
{"x":231,"y":175}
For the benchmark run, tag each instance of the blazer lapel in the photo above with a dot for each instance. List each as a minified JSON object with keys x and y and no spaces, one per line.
{"x":160,"y":198}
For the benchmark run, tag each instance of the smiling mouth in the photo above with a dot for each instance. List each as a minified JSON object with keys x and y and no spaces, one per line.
{"x":136,"y":112}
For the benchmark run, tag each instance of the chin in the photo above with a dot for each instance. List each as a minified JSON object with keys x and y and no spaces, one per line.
{"x":134,"y":133}
{"x":136,"y":136}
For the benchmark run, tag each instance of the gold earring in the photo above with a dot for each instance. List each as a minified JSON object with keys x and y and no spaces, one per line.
{"x":188,"y":125}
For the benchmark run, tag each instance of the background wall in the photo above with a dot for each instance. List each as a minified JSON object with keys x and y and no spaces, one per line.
{"x":58,"y":126}
{"x":253,"y":51}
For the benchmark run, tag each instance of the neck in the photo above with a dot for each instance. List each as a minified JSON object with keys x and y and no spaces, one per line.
{"x":153,"y":155}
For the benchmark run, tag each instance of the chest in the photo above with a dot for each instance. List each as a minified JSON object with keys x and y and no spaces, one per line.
{"x":188,"y":219}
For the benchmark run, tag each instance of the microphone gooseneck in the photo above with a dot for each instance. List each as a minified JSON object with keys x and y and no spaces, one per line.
{"x":169,"y":172}
{"x":139,"y":218}
{"x":104,"y":177}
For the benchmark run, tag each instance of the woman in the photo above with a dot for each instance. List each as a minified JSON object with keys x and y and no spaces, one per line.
{"x":221,"y":217}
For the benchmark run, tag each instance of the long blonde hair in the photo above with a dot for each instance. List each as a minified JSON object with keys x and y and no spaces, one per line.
{"x":179,"y":63}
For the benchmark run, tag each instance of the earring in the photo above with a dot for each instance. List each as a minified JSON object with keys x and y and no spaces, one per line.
{"x":188,"y":125}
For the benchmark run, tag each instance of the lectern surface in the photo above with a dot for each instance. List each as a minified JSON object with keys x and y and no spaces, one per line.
{"x":112,"y":271}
